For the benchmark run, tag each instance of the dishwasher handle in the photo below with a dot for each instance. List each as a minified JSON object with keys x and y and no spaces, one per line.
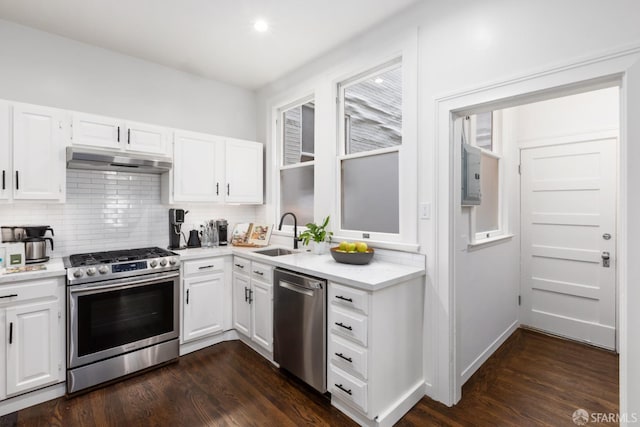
{"x":306,"y":282}
{"x":296,"y":288}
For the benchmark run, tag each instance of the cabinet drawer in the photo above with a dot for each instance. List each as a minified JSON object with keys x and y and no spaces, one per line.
{"x":352,"y":298}
{"x":29,"y":290}
{"x":348,"y":388}
{"x":349,"y":357}
{"x":262,"y":272}
{"x":348,"y":324}
{"x":203,"y":266}
{"x":241,"y":265}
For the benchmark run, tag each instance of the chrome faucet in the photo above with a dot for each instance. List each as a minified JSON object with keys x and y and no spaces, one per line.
{"x":295,"y":227}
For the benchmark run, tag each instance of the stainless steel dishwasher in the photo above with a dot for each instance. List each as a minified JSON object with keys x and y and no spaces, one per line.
{"x":300,"y":326}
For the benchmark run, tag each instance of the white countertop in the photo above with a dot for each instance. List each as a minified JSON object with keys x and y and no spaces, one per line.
{"x":54,"y":268}
{"x":378,"y":274}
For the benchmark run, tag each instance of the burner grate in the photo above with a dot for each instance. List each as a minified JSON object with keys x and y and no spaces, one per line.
{"x":107,"y":257}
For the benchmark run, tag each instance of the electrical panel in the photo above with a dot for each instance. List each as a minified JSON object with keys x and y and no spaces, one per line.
{"x":470,"y":175}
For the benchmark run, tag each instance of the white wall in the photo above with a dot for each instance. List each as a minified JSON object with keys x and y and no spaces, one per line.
{"x":45,"y":69}
{"x":463,"y":45}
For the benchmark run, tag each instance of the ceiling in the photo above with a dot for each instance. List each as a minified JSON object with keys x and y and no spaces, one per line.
{"x":210,"y":38}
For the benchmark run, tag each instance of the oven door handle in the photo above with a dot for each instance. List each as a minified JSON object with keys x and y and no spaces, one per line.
{"x":121,"y":284}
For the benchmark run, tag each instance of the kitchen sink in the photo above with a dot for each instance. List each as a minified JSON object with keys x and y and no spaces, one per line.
{"x":274,"y":252}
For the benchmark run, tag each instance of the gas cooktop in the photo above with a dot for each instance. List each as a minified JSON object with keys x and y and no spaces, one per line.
{"x":120,"y":264}
{"x":109,"y":257}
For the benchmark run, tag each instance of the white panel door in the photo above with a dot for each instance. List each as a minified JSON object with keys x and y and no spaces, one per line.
{"x":196,"y":175}
{"x":97,"y":131}
{"x":32,"y":349}
{"x":5,"y":151}
{"x":568,"y":228}
{"x":203,"y":306}
{"x":146,"y":138}
{"x":38,"y":153}
{"x":241,"y":306}
{"x":243,"y":169}
{"x":262,"y":305}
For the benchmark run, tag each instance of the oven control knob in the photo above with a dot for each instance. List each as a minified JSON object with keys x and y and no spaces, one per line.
{"x":172,"y":261}
{"x":153,"y":263}
{"x":103,"y":270}
{"x":91,"y":271}
{"x":78,"y":273}
{"x":163,"y":262}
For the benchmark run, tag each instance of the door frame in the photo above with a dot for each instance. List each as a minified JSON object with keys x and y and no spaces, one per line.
{"x":584,"y":138}
{"x":615,"y":67}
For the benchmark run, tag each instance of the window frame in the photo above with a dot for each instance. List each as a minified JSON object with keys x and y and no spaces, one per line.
{"x":407,"y":208}
{"x":279,"y":153}
{"x":497,"y":152}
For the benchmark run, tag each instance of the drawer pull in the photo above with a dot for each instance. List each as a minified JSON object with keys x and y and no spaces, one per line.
{"x":205,"y":267}
{"x":344,"y":298}
{"x":342,"y":356}
{"x":344,"y":389}
{"x":239,"y":265}
{"x":9,"y":296}
{"x":344,"y":326}
{"x":258,"y":272}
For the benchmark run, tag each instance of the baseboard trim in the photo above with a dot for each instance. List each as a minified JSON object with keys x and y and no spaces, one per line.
{"x":191,"y":346}
{"x":475,"y":365}
{"x":32,"y":398}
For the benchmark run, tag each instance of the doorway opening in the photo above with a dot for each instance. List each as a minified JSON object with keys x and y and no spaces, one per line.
{"x":539,"y":250}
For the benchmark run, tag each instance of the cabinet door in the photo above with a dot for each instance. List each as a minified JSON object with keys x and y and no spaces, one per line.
{"x":97,"y":131}
{"x":146,"y":138}
{"x":262,"y":306}
{"x":5,"y":153}
{"x":241,"y":307}
{"x":38,"y":153}
{"x":196,"y":175}
{"x":203,"y":306}
{"x":33,"y":359}
{"x":243,"y":169}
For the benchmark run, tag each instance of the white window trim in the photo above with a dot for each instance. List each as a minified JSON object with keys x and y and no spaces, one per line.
{"x":406,"y":239}
{"x":483,"y":238}
{"x":278,"y":117}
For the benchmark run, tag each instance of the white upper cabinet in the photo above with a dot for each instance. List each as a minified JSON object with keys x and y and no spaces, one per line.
{"x":243,"y":170}
{"x":5,"y":151}
{"x":197,"y":174}
{"x":208,"y":168}
{"x":118,"y":134}
{"x":38,"y":153}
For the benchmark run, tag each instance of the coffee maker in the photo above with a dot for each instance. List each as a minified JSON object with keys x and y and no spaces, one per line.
{"x":222,"y":226}
{"x":176,"y":219}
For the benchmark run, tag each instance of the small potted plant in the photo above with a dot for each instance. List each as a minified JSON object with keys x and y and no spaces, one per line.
{"x":319,"y":234}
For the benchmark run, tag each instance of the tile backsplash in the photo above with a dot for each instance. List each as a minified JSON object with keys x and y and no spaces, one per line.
{"x":113,"y":210}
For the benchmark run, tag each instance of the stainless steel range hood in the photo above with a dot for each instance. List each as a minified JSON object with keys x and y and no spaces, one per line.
{"x":92,"y":159}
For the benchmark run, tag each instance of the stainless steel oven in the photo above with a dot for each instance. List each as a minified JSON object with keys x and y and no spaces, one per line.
{"x":121,"y":321}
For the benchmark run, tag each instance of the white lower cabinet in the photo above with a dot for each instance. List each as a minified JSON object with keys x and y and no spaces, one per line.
{"x":253,"y":301}
{"x":203,"y":298}
{"x":374,"y":351}
{"x":32,"y":353}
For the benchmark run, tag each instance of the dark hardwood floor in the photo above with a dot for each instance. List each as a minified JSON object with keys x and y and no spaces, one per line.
{"x":532,"y":379}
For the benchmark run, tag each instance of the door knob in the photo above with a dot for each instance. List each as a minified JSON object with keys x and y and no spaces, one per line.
{"x":606,"y":236}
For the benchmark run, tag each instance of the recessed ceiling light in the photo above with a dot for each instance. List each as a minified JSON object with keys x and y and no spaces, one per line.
{"x":260,"y":25}
{"x":379,"y":80}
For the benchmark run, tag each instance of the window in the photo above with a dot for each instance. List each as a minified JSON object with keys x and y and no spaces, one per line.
{"x":296,"y":166}
{"x":487,"y":217}
{"x":370,"y":143}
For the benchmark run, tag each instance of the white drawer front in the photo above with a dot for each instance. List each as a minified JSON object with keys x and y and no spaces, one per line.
{"x":348,"y":324}
{"x":241,"y":265}
{"x":347,"y":356}
{"x":205,"y":265}
{"x":345,"y":296}
{"x":262,"y":272}
{"x":348,"y":388}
